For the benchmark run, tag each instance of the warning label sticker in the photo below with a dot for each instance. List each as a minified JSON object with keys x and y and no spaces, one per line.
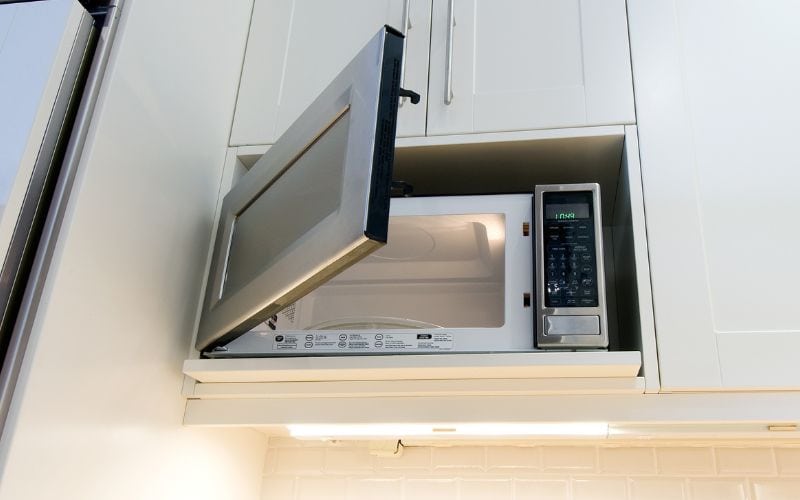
{"x":378,"y":342}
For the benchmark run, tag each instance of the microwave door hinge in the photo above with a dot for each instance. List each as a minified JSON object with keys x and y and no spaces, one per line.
{"x":401,"y":189}
{"x":412,"y":96}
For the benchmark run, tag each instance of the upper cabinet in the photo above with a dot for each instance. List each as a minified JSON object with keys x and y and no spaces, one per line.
{"x":502,"y":65}
{"x":296,"y":47}
{"x":479,"y":65}
{"x":717,"y":105}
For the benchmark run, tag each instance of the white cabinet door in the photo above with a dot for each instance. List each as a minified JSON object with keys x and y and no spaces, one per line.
{"x":717,"y":103}
{"x":528,"y":64}
{"x":296,"y":47}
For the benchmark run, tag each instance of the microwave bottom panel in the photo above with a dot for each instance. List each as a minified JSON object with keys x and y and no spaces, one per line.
{"x":367,"y":342}
{"x":455,"y":276}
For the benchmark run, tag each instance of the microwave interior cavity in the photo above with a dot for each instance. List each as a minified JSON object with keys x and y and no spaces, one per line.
{"x":437,"y":271}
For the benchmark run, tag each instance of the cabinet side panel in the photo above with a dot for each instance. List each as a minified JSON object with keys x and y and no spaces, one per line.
{"x":686,"y":341}
{"x":97,"y":411}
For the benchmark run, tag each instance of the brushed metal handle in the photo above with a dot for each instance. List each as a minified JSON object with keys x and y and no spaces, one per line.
{"x":406,"y":26}
{"x":448,"y":70}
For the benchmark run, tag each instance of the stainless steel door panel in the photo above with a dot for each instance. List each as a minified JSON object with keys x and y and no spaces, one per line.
{"x":314,"y":204}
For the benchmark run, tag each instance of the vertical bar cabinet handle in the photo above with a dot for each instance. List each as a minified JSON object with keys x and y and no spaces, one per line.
{"x":448,"y":72}
{"x":406,"y":26}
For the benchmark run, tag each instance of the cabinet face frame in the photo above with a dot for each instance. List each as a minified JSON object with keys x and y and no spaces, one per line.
{"x":353,"y":121}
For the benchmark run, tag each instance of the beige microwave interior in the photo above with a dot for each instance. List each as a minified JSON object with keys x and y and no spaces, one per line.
{"x":436,"y":271}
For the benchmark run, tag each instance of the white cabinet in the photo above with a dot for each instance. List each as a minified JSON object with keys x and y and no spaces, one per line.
{"x":717,"y":105}
{"x":512,"y":64}
{"x":521,"y":64}
{"x":296,"y":47}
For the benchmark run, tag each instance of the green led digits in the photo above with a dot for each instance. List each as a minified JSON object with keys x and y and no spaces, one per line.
{"x":565,"y":215}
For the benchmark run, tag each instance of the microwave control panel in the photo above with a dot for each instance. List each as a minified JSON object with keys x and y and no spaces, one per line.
{"x":569,"y":250}
{"x":571,"y":309}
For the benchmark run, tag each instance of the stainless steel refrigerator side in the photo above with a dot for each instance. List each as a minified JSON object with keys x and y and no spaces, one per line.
{"x":52,"y":226}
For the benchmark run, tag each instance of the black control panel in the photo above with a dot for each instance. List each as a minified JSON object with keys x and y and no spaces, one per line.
{"x":570,"y":263}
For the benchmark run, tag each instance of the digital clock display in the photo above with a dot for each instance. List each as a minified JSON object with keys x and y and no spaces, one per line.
{"x":566,"y":211}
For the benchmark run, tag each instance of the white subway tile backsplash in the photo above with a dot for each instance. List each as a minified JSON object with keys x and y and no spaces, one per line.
{"x":569,"y":458}
{"x":271,"y":461}
{"x":430,"y":489}
{"x":459,"y":457}
{"x":657,"y":489}
{"x":776,"y":489}
{"x":300,"y":461}
{"x":350,"y":460}
{"x":627,"y":460}
{"x":684,"y":461}
{"x":599,"y":489}
{"x":745,"y":461}
{"x":541,"y":471}
{"x":278,"y":488}
{"x":413,"y":458}
{"x":545,"y":489}
{"x":788,"y":461}
{"x":514,"y":457}
{"x":382,"y":488}
{"x":482,"y":489}
{"x":320,"y":488}
{"x":718,"y":489}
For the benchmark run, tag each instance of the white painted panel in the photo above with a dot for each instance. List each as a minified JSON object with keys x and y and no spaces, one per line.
{"x":35,"y":42}
{"x":431,"y":388}
{"x":606,"y":62}
{"x":717,"y":105}
{"x":296,"y":48}
{"x":503,"y":64}
{"x":632,"y":267}
{"x":749,"y":361}
{"x":744,"y":104}
{"x":662,"y":413}
{"x":686,"y":341}
{"x":97,"y":411}
{"x":418,"y":367}
{"x":520,"y":65}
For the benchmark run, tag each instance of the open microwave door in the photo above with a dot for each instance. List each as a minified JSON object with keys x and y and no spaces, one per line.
{"x":314,"y":204}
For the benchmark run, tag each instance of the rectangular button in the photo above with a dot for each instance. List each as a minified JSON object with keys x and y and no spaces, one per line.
{"x":572,"y":325}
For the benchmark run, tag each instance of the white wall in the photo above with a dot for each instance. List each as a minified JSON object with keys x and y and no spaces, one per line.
{"x":98,"y":410}
{"x":297,"y":470}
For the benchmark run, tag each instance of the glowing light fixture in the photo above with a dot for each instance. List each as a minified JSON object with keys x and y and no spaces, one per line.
{"x":474,"y":430}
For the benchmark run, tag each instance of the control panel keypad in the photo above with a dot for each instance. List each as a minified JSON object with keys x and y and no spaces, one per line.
{"x":570,"y":263}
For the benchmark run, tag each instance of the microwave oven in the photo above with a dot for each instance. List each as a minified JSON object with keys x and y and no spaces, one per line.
{"x":312,"y":257}
{"x":484,"y":273}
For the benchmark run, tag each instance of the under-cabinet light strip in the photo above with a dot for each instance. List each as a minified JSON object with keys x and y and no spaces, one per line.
{"x":321,"y":431}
